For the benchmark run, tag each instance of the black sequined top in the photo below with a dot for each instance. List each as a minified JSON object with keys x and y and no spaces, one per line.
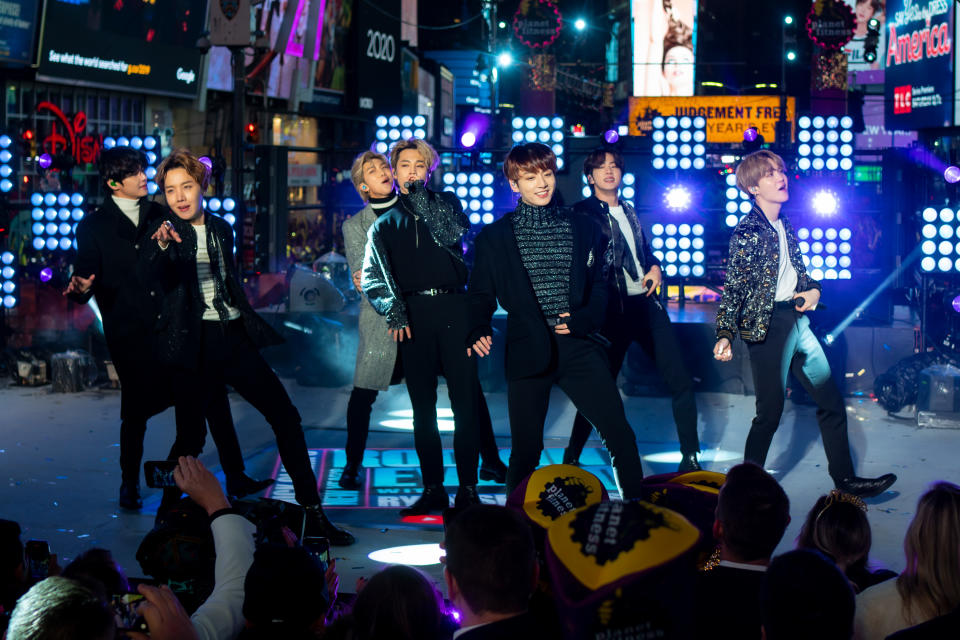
{"x":545,"y":240}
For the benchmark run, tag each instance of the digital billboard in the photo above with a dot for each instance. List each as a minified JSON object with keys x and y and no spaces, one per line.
{"x":727,"y":116}
{"x":865,"y":10}
{"x":18,"y":26}
{"x":132,"y":46}
{"x":919,"y":60}
{"x":664,"y":47}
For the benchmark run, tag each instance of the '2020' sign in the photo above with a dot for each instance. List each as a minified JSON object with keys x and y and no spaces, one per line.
{"x":381,"y":46}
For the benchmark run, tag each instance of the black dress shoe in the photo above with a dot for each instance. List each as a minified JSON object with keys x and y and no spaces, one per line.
{"x":689,"y":462}
{"x":130,"y":497}
{"x":466,"y":495}
{"x":866,"y":487}
{"x":350,"y":478}
{"x":570,"y":458}
{"x":318,"y":525}
{"x":494,"y":470}
{"x":240,"y":484}
{"x":434,"y":498}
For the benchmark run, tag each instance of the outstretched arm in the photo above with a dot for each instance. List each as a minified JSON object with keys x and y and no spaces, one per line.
{"x":378,"y":283}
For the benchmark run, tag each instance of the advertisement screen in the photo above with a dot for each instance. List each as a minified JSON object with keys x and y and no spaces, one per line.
{"x":131,"y":46}
{"x":18,"y":26}
{"x":865,"y":10}
{"x":664,"y":47}
{"x":727,"y":116}
{"x":378,"y":56}
{"x":919,"y":61}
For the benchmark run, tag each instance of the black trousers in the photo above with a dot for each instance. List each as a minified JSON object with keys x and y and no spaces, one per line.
{"x":228,"y":356}
{"x":644,"y":321}
{"x":438,"y":325}
{"x":145,"y":391}
{"x":579,"y":367}
{"x":790,"y":345}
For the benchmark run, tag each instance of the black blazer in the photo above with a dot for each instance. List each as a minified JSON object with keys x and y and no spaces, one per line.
{"x":107,"y":245}
{"x":521,"y":627}
{"x":499,"y":274}
{"x":173,"y":274}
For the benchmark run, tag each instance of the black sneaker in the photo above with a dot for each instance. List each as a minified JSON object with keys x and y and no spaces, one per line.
{"x":130,"y":497}
{"x":318,"y":525}
{"x":466,"y":495}
{"x":494,"y":470}
{"x":434,"y":498}
{"x":350,"y":478}
{"x":240,"y":484}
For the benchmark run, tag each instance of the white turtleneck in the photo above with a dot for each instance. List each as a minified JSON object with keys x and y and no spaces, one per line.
{"x":130,"y":208}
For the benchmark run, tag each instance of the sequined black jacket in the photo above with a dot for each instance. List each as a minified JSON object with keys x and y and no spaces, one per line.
{"x":751,"y":283}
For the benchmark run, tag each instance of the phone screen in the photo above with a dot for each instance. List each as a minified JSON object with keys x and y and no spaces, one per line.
{"x":159,"y":473}
{"x":125,"y":611}
{"x":38,"y":558}
{"x":318,"y":547}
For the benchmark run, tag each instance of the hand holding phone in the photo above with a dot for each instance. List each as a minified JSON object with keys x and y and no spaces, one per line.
{"x":159,"y":473}
{"x":38,"y":559}
{"x":125,"y":611}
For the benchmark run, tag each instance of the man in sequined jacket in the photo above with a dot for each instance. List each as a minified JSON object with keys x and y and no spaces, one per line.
{"x":414,"y":274}
{"x":765,"y":297}
{"x":542,"y":263}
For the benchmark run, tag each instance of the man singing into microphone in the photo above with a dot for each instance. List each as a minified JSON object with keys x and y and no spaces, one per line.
{"x":414,"y":274}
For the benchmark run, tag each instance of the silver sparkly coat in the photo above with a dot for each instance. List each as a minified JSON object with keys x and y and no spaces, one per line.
{"x":376,"y":350}
{"x":751,"y":283}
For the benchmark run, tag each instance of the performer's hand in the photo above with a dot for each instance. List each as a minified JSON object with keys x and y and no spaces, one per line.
{"x":165,"y":234}
{"x":164,"y":614}
{"x":723,"y":350}
{"x":356,"y":281}
{"x":481,"y":347}
{"x":397,"y":334}
{"x":562,"y":329}
{"x":810,"y":299}
{"x":201,"y":485}
{"x":79,"y":285}
{"x":652,"y":279}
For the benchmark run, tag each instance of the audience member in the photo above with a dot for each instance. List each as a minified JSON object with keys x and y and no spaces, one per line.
{"x":13,"y":574}
{"x":945,"y":626}
{"x":805,"y":596}
{"x":97,"y":570}
{"x":930,"y":584}
{"x":491,"y":571}
{"x":285,"y":594}
{"x":59,"y":608}
{"x":752,"y":513}
{"x":837,"y":526}
{"x":398,"y":603}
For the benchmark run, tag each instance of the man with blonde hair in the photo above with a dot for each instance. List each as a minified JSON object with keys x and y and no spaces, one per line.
{"x":765,"y":297}
{"x":377,"y":363}
{"x":415,"y":275}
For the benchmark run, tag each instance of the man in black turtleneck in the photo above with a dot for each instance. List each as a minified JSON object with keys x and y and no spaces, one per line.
{"x":107,"y":244}
{"x":414,"y":274}
{"x":543,"y":264}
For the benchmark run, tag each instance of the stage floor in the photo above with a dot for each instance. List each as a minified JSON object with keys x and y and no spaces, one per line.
{"x":58,"y":457}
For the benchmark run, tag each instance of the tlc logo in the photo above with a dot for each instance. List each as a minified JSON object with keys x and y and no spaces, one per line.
{"x":903,"y":99}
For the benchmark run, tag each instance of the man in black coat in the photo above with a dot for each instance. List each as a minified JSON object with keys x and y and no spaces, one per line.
{"x":106,"y":267}
{"x":542,"y":263}
{"x":208,"y":334}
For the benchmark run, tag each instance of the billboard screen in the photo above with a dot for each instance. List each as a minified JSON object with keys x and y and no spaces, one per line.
{"x":919,"y":57}
{"x":864,"y":10}
{"x":18,"y":26}
{"x":727,"y":116}
{"x":664,"y":47}
{"x":130,"y":46}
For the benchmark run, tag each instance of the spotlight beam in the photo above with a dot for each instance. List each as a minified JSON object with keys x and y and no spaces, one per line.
{"x":837,"y":330}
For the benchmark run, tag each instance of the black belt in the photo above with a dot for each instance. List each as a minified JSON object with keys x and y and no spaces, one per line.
{"x":433,"y":292}
{"x":555,"y":320}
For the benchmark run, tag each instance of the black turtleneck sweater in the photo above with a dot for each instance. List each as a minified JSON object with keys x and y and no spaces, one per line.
{"x":545,"y":240}
{"x":382,"y":204}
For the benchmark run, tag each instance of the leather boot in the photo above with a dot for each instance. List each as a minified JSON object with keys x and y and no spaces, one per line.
{"x":240,"y":484}
{"x":466,"y":495}
{"x":350,"y":478}
{"x":689,"y":462}
{"x":434,"y":498}
{"x":866,"y":487}
{"x":130,"y":497}
{"x":494,"y":470}
{"x":318,"y":525}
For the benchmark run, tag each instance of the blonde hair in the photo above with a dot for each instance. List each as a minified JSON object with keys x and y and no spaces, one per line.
{"x":426,"y":152}
{"x":356,"y":171}
{"x":930,"y":583}
{"x":183,"y":159}
{"x":753,"y":166}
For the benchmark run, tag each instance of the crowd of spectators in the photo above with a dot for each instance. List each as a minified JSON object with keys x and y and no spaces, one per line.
{"x":603,"y":570}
